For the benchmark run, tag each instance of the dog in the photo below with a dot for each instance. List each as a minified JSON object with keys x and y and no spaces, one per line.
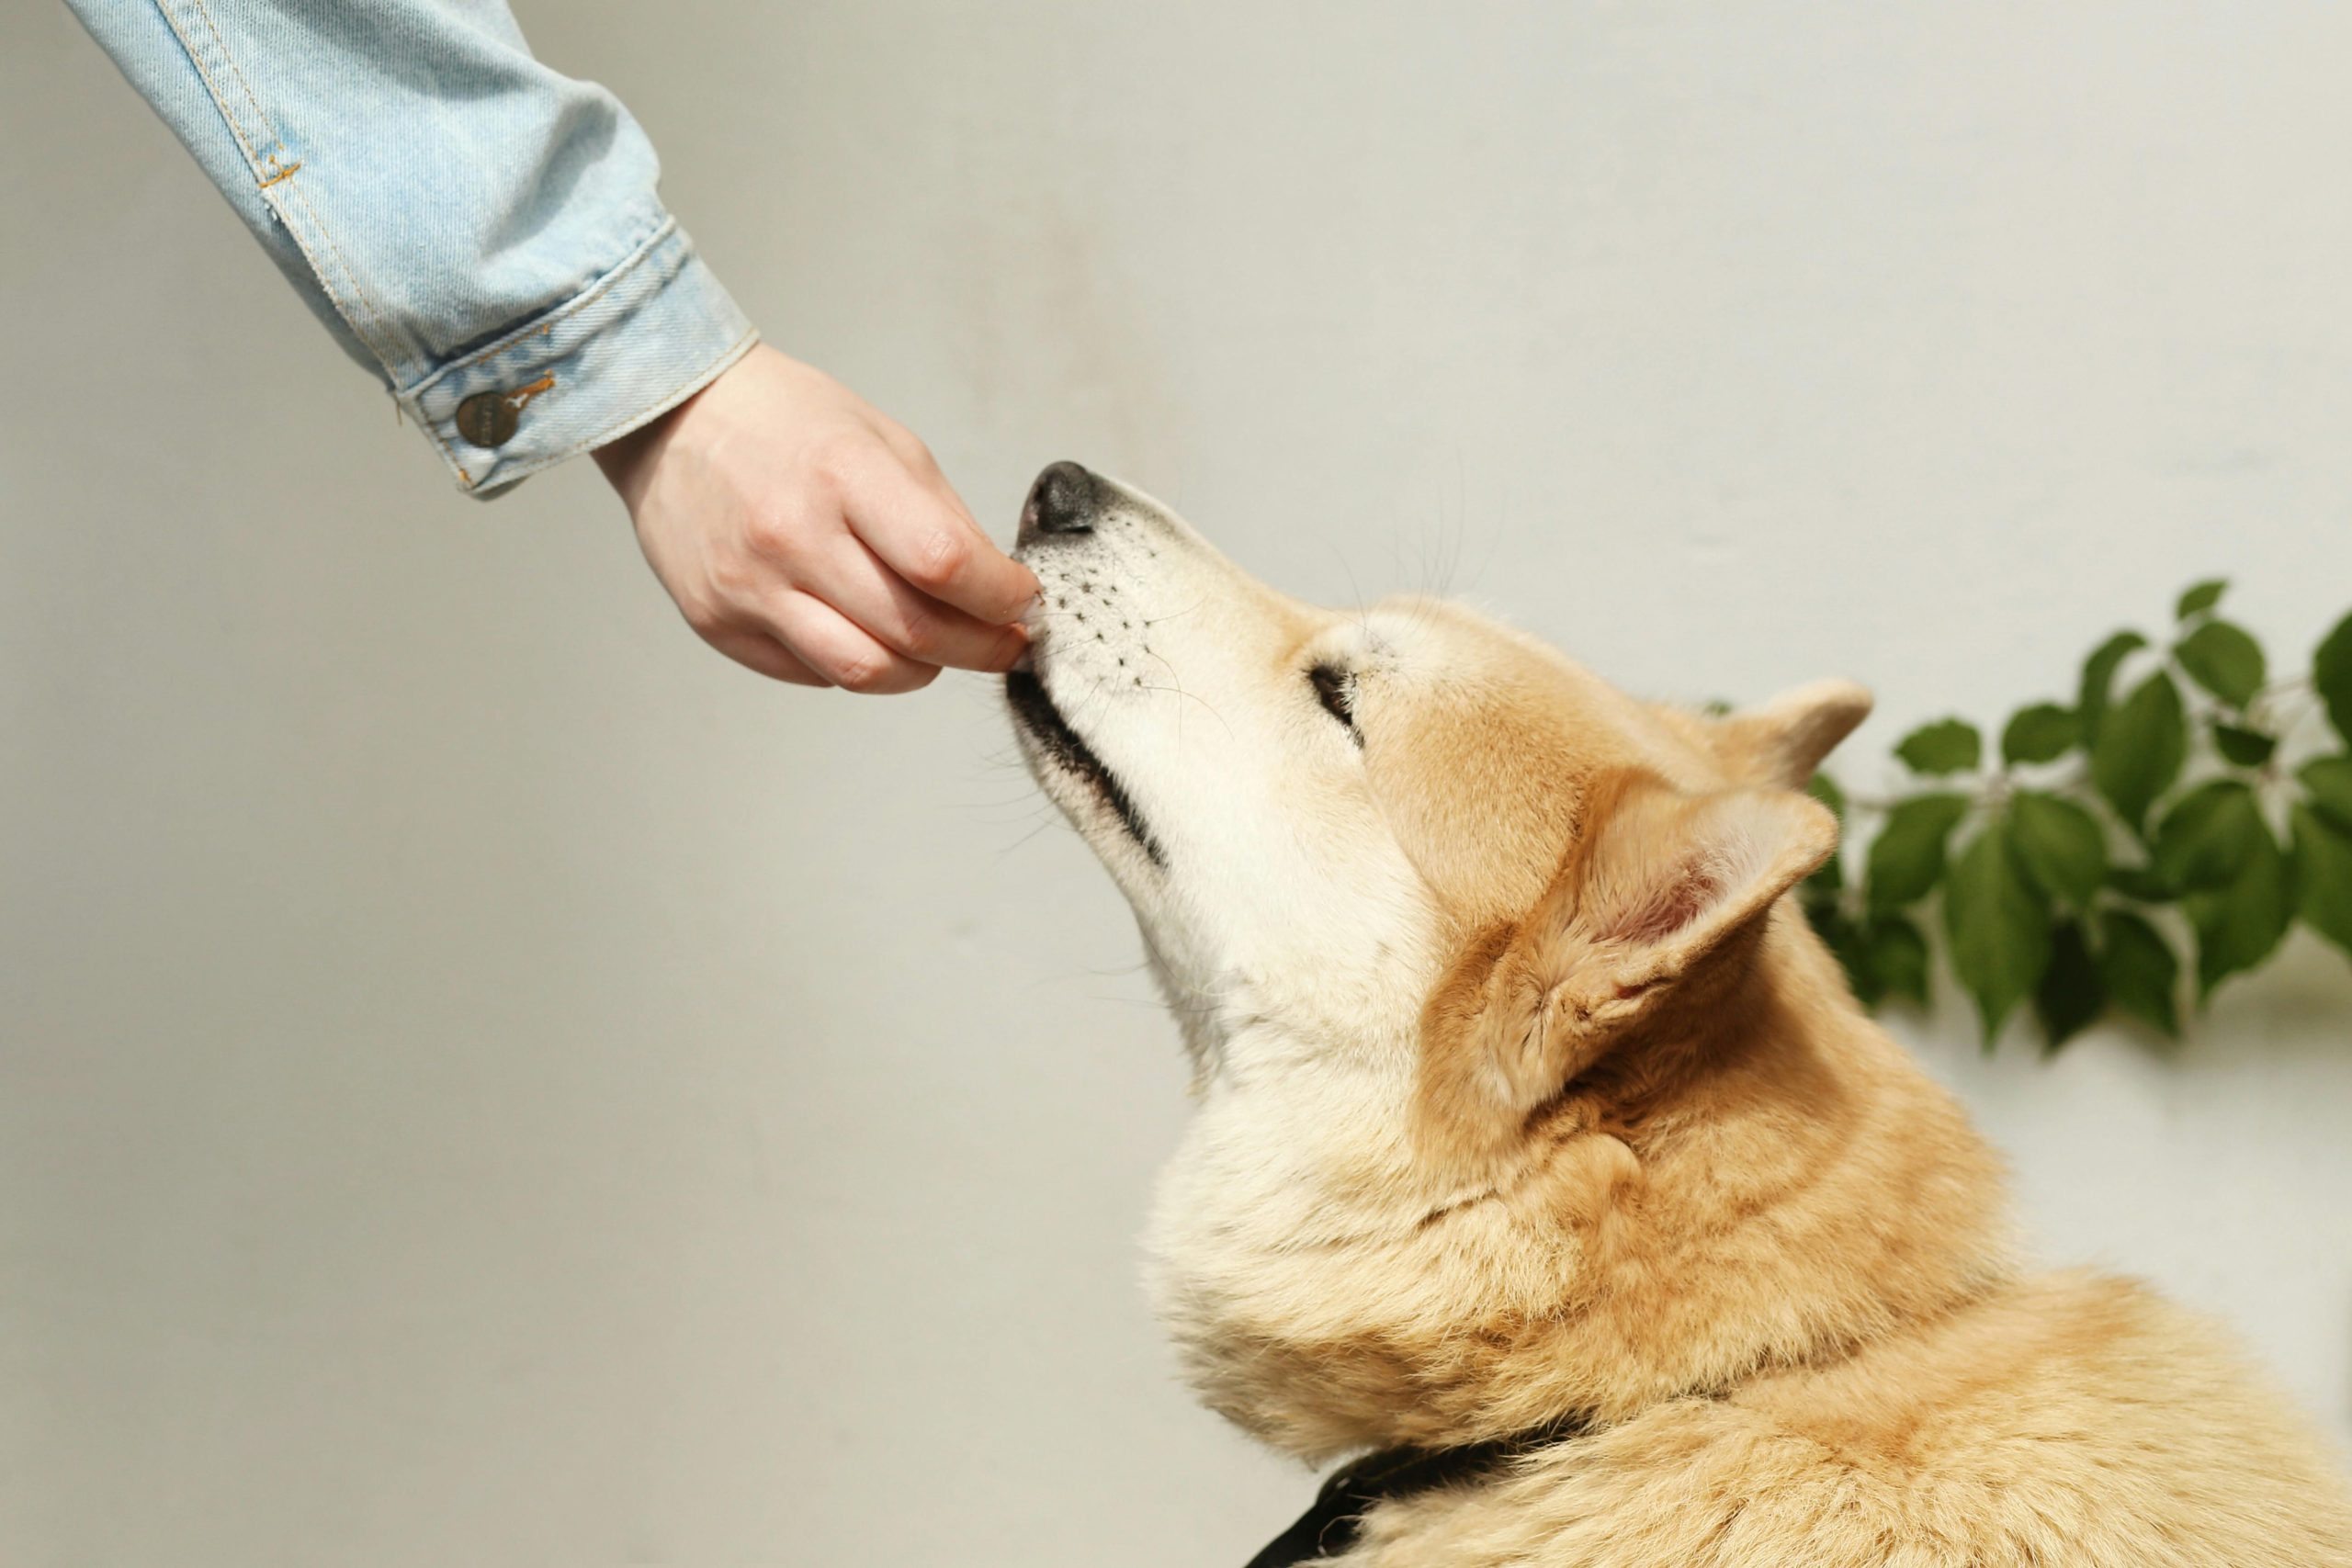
{"x":1541,"y":1151}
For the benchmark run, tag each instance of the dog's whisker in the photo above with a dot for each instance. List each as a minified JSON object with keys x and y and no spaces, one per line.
{"x":1203,"y":702}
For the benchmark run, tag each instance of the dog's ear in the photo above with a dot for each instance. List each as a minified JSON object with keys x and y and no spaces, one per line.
{"x":1783,"y":740}
{"x":1659,"y":884}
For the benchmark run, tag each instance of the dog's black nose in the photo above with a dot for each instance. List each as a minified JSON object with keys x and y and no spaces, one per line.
{"x":1063,"y":501}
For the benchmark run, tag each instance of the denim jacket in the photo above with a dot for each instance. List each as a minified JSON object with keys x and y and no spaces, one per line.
{"x":477,"y":229}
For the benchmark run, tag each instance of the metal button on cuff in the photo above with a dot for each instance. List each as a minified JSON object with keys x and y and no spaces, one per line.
{"x":489,"y":418}
{"x":637,"y":342}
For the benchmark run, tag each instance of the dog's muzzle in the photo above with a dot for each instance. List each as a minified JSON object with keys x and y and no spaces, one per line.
{"x":1066,"y":499}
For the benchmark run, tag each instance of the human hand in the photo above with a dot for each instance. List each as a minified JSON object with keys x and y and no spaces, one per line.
{"x":808,"y":535}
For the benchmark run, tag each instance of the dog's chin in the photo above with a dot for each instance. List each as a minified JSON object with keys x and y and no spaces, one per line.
{"x":1071,"y":773}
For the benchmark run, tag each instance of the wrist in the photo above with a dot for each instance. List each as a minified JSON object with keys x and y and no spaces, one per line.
{"x":627,"y":461}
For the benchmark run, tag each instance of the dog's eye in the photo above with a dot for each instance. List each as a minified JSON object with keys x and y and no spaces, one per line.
{"x":1335,"y":690}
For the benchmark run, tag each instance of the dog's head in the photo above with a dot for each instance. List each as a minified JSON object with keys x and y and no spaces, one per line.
{"x":1412,"y":883}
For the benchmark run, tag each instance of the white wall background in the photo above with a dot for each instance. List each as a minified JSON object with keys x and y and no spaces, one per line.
{"x":483,"y":1080}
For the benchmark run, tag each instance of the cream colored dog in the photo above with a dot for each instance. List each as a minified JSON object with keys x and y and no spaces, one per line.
{"x":1527,"y":1104}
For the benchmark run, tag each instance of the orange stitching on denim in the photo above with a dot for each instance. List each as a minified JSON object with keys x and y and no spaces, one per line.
{"x":511,"y":471}
{"x":384,"y":342}
{"x":243,"y":85}
{"x":303,"y":242}
{"x":524,"y":394}
{"x":521,"y":395}
{"x":686,"y":388}
{"x":296,"y":192}
{"x":219,"y":101}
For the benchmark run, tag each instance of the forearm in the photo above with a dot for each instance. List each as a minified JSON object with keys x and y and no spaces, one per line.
{"x":480,"y":231}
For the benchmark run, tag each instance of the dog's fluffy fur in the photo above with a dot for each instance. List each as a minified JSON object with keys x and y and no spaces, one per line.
{"x":1523,"y":1091}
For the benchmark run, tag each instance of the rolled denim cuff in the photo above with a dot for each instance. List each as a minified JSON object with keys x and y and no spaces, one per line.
{"x":630,"y":346}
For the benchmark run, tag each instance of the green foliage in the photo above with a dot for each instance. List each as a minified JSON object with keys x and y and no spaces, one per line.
{"x":2328,"y":782}
{"x":2072,"y":994}
{"x":2224,"y":660}
{"x":1907,"y":859}
{"x":2137,"y":966}
{"x":1898,"y":958}
{"x":2332,"y":676}
{"x":2060,"y":846}
{"x":2140,"y":748}
{"x":2207,"y":835}
{"x":2239,"y":923}
{"x":2042,"y":733}
{"x":2098,"y":680}
{"x":2162,"y":824}
{"x":2323,"y":863}
{"x":1998,"y":926}
{"x":2200,"y":597}
{"x":2247,"y":748}
{"x":1947,"y":746}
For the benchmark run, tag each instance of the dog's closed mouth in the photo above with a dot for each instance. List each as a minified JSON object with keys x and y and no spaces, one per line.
{"x":1037,"y":714}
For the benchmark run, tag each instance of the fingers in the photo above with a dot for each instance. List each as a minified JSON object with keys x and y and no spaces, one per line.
{"x":757,"y":650}
{"x":844,"y":654}
{"x":924,"y":534}
{"x":853,"y":581}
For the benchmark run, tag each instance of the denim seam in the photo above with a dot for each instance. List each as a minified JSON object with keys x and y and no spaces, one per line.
{"x":219,"y":101}
{"x":299,"y":190}
{"x":540,"y":325}
{"x":221,"y":43}
{"x":383,"y":339}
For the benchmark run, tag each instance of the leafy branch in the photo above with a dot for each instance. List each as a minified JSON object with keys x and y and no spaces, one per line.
{"x":2112,"y":836}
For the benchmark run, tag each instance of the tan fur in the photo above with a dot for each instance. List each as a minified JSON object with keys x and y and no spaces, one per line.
{"x":1644,"y":1160}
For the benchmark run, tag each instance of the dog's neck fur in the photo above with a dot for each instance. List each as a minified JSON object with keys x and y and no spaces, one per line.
{"x":1687,"y":1216}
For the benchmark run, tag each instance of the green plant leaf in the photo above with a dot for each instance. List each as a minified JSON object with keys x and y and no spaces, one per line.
{"x":1898,"y":958}
{"x":2200,"y":597}
{"x":2247,"y":748}
{"x":2240,"y":923}
{"x":1998,"y":927}
{"x":1907,"y":859}
{"x":2098,"y":678}
{"x":1823,"y":917}
{"x":2141,"y":883}
{"x":2332,"y":676}
{"x":1947,"y":746}
{"x":2328,"y":781}
{"x":2206,"y":835}
{"x":2072,"y":994}
{"x":1824,"y":788}
{"x":2035,"y":908}
{"x":2139,"y":970}
{"x":2059,"y":845}
{"x":2324,"y":876}
{"x":2040,"y":733}
{"x":2140,"y":748}
{"x":1829,"y":877}
{"x":2224,"y":659}
{"x":1843,"y":937}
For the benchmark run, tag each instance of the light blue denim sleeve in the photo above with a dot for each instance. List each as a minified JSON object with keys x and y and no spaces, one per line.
{"x":480,"y":231}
